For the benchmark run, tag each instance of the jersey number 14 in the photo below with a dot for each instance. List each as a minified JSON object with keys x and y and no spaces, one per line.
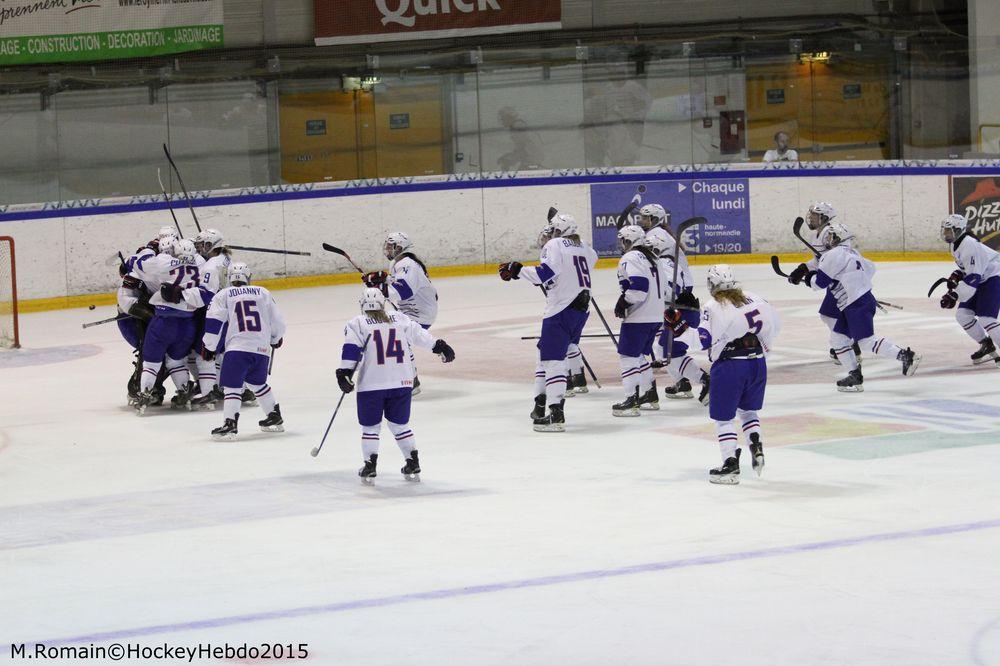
{"x":392,"y":348}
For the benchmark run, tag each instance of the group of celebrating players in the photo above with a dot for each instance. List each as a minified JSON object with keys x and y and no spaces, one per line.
{"x":191,"y":313}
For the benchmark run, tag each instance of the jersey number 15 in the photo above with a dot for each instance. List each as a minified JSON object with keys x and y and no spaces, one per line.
{"x":247,"y":317}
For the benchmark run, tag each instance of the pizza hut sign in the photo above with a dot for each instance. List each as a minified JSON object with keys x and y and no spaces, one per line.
{"x":978,"y":199}
{"x":366,"y":21}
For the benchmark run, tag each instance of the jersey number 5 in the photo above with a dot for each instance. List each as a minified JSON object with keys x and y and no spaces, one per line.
{"x":393,"y":348}
{"x":753,"y":322}
{"x":247,"y":317}
{"x":582,"y":271}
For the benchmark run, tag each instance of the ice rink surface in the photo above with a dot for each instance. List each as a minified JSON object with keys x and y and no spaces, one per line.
{"x":872,"y":538}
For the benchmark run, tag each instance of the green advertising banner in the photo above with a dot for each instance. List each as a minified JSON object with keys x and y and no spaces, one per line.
{"x":37,"y":31}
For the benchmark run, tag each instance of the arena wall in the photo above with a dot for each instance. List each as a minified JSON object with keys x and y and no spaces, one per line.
{"x":458,"y":223}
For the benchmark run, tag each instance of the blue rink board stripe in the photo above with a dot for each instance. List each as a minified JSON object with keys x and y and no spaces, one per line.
{"x":545,"y":581}
{"x":266,"y":197}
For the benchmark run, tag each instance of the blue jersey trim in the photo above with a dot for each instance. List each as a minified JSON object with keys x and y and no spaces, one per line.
{"x":351,"y":353}
{"x":213,"y":326}
{"x":403,"y":289}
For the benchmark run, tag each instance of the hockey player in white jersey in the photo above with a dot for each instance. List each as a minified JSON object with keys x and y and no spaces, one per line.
{"x":820,"y":215}
{"x":683,"y":369}
{"x":214,"y":278}
{"x":845,"y":274}
{"x":640,"y":306}
{"x":564,"y":275}
{"x":171,"y":332}
{"x":376,"y":359}
{"x":407,"y":284}
{"x":244,"y":321}
{"x":737,"y":328}
{"x":974,"y":287}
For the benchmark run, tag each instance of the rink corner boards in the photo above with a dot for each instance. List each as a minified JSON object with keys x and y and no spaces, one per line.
{"x":326,"y":280}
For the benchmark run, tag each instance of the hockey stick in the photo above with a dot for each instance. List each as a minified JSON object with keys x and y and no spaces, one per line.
{"x":117,"y":317}
{"x":797,"y":230}
{"x":180,"y":180}
{"x":604,"y":321}
{"x":636,"y":200}
{"x":315,"y":452}
{"x":681,"y":228}
{"x":936,"y":284}
{"x":582,"y":356}
{"x":337,"y":250}
{"x":270,"y":361}
{"x":586,"y":335}
{"x":886,"y":304}
{"x":777,"y":266}
{"x":166,"y":197}
{"x":244,"y":248}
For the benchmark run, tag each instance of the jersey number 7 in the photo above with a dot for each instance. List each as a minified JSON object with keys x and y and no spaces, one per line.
{"x":393,"y":348}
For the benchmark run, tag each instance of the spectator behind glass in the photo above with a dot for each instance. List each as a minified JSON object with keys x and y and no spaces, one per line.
{"x":527,"y":153}
{"x":782,"y":153}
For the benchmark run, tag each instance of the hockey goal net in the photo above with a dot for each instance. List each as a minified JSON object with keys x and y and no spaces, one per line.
{"x":8,"y":295}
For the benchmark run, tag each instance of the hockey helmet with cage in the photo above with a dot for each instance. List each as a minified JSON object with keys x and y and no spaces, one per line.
{"x":185,"y":250}
{"x":372,"y":300}
{"x":208,"y":240}
{"x":239,"y":273}
{"x":653,"y":215}
{"x":833,"y":235}
{"x":561,"y":224}
{"x":823,"y":212}
{"x":630,"y":237}
{"x":721,"y":278}
{"x":956,"y":224}
{"x":396,"y":244}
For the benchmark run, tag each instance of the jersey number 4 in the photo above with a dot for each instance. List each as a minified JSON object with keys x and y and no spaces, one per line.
{"x":392,"y":348}
{"x":582,"y":271}
{"x":247,"y":317}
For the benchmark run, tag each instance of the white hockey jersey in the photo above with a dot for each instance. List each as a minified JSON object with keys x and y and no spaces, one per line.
{"x":411,"y":290}
{"x":684,"y":276}
{"x":164,"y":269}
{"x":721,"y":323}
{"x":643,"y":287}
{"x":249,"y":318}
{"x":977,"y":261}
{"x":382,"y":351}
{"x":564,"y":272}
{"x":846,"y":273}
{"x":818,"y":246}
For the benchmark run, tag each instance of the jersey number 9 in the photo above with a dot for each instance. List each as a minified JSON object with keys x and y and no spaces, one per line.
{"x":247,"y":317}
{"x":393,"y":348}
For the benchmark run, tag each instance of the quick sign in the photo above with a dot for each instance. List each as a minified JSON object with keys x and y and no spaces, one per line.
{"x":365,"y":21}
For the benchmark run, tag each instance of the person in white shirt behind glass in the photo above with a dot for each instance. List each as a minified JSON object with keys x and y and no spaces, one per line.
{"x":782,"y":153}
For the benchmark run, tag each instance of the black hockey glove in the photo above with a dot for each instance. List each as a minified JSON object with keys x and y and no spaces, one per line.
{"x":949,"y":300}
{"x":510,"y":270}
{"x":798,"y":274}
{"x":954,"y":279}
{"x":207,"y":353}
{"x":809,"y":278}
{"x":131,"y":282}
{"x":171,"y":293}
{"x":344,"y":379}
{"x":442,"y":349}
{"x":277,"y":344}
{"x":689,"y":300}
{"x":672,"y":319}
{"x":142,"y":311}
{"x":621,"y":307}
{"x":375,"y":279}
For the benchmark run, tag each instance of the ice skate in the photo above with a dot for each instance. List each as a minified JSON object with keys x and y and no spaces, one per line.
{"x":987,"y":351}
{"x":757,"y":451}
{"x":539,"y":409}
{"x":227,"y":430}
{"x":248,"y":398}
{"x":416,"y":387}
{"x":852,"y":383}
{"x":834,"y":358}
{"x":273,"y":422}
{"x":650,"y":400}
{"x":910,"y":360}
{"x":411,"y":470}
{"x":628,"y":407}
{"x":679,"y":391}
{"x":703,"y":395}
{"x":367,"y":473}
{"x":182,"y":398}
{"x":728,"y":473}
{"x":579,"y":383}
{"x":202,"y":402}
{"x":143,"y":400}
{"x":554,"y":421}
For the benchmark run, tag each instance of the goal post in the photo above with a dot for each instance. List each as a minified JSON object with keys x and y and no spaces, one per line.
{"x":9,"y":337}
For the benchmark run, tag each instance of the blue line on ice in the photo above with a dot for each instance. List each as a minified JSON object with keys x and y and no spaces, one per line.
{"x":544,"y":581}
